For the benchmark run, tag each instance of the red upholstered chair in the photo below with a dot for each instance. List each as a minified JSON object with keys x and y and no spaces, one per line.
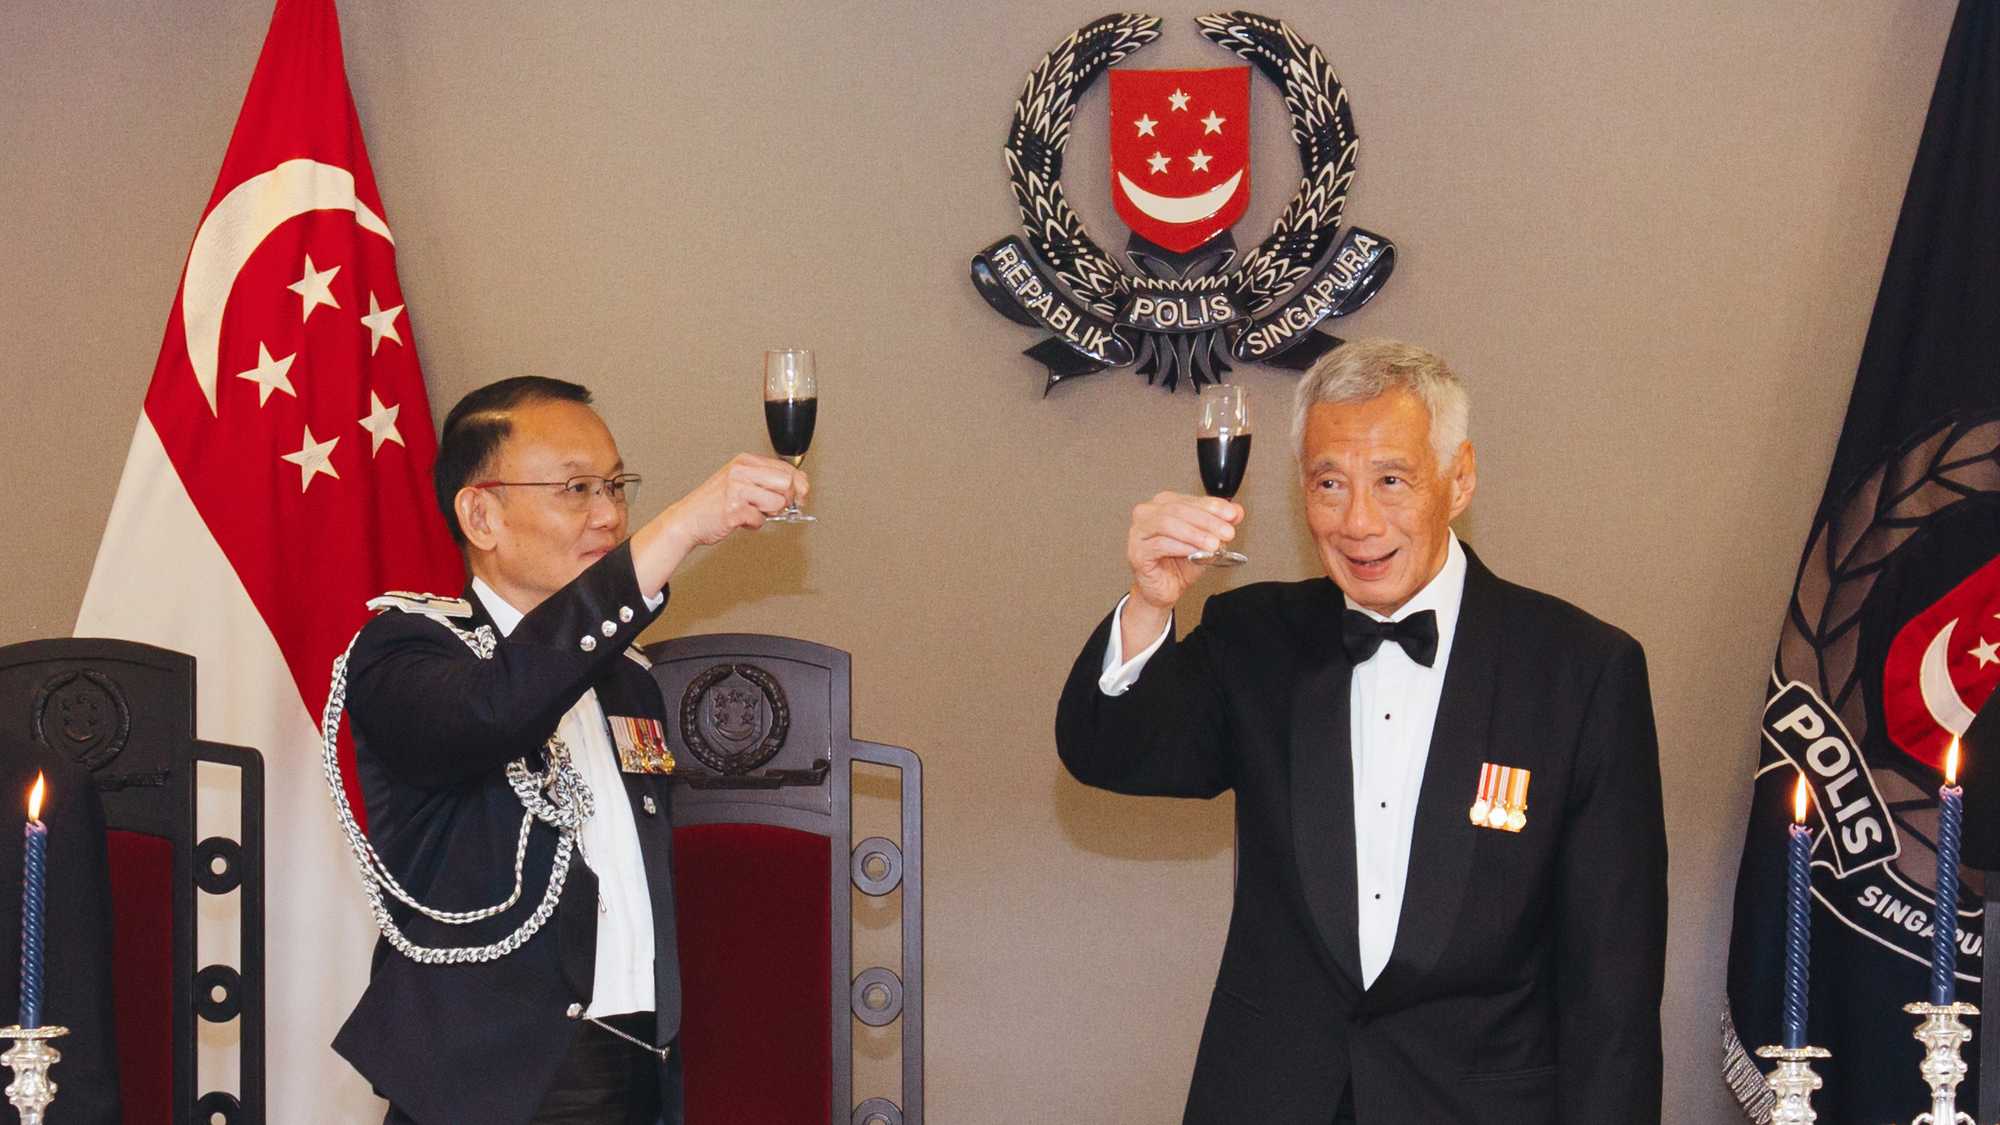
{"x":769,"y":880}
{"x":116,"y":719}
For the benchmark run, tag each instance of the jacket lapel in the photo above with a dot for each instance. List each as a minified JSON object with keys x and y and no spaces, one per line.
{"x":1442,"y":842}
{"x":1322,"y":769}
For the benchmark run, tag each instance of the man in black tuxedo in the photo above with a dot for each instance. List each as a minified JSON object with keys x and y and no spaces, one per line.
{"x":1450,"y":895}
{"x":567,"y":1007}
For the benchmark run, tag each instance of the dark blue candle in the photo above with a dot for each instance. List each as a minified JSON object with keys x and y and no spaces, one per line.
{"x":1798,"y":920}
{"x":1944,"y":926}
{"x":34,"y":876}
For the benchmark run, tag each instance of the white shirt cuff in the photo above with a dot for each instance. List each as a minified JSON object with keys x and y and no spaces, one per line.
{"x":653,"y":600}
{"x":1119,"y":673}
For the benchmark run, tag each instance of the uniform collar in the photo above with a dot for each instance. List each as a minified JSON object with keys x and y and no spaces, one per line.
{"x":505,"y":616}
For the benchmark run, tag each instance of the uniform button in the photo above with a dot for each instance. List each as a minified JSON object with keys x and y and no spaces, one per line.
{"x":625,"y":613}
{"x":646,"y":803}
{"x":608,"y":629}
{"x":588,"y":643}
{"x":575,"y":1011}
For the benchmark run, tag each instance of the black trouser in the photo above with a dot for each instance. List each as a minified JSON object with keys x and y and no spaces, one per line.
{"x":605,"y":1080}
{"x":1345,"y":1114}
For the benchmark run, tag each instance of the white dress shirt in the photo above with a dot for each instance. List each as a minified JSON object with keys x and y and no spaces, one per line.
{"x":610,"y":844}
{"x":1393,"y":704}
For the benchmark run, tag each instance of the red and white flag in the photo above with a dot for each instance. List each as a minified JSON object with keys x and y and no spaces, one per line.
{"x":281,"y":476}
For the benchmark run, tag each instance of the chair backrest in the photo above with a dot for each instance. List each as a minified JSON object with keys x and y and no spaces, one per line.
{"x":767,"y":870}
{"x":123,"y":713}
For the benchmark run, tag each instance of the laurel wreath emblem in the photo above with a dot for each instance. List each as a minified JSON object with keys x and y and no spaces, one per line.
{"x":1322,"y":126}
{"x":1849,"y":548}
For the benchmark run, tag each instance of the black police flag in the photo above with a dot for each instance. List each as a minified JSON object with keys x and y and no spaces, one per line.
{"x":1891,"y":644}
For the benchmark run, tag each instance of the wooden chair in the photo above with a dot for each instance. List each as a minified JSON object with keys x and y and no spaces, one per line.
{"x":767,"y":872}
{"x":115,"y":719}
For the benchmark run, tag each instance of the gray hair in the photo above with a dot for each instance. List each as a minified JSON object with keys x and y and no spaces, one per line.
{"x":1366,"y":369}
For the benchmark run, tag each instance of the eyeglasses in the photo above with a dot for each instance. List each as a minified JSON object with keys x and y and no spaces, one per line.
{"x":577,"y":492}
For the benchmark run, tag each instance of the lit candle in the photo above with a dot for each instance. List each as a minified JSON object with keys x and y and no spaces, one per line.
{"x":1798,"y":922}
{"x":34,"y":874}
{"x":1944,"y":927}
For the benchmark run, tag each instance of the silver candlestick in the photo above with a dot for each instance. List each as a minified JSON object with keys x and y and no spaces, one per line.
{"x":1942,"y":1033}
{"x":30,"y":1057}
{"x":1793,"y":1082}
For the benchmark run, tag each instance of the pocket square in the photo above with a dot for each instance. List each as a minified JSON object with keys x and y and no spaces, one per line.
{"x":1502,"y":799}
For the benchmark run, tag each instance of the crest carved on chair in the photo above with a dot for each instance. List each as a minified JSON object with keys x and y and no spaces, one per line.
{"x":82,"y":715}
{"x":734,"y":718}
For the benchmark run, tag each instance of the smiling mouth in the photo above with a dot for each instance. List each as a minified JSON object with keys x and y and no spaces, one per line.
{"x":1367,"y":566}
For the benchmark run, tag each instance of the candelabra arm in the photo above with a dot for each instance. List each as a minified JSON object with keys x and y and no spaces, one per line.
{"x":1793,"y":1082}
{"x":1943,"y":1033}
{"x":30,"y":1057}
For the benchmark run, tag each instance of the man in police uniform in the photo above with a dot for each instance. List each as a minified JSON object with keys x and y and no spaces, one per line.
{"x":1419,"y":933}
{"x":563,"y":1005}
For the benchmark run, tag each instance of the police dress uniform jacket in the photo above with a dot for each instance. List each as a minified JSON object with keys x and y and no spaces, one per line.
{"x":434,"y":727}
{"x":1525,"y":980}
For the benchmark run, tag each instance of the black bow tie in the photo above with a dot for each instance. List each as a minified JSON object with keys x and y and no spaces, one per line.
{"x":1417,"y":633}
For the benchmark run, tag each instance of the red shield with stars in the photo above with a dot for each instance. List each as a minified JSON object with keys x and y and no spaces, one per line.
{"x":1942,"y":666}
{"x":1180,"y":152}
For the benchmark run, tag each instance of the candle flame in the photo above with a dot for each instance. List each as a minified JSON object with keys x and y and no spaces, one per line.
{"x":1951,"y":763}
{"x":1799,"y":801}
{"x":35,"y":798}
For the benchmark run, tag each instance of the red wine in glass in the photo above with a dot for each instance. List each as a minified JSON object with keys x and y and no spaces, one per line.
{"x":1222,"y":452}
{"x":791,"y":406}
{"x":791,"y":426}
{"x":1222,"y":461}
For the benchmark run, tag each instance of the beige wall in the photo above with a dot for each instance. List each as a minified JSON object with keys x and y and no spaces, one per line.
{"x":1649,"y":235}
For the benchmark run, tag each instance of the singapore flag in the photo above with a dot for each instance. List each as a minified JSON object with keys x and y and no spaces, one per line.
{"x":279,"y":477}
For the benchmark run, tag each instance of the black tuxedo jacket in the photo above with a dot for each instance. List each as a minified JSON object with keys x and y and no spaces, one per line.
{"x":1524,"y":985}
{"x":434,"y":727}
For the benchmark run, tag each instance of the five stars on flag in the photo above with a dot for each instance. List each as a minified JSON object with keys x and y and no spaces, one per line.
{"x":314,"y":457}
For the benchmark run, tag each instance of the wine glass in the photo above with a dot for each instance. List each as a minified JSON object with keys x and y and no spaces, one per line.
{"x":1222,"y":449}
{"x":791,"y":405}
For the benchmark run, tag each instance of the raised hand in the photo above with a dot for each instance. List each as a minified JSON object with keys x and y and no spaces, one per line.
{"x":741,"y":494}
{"x":1165,"y":531}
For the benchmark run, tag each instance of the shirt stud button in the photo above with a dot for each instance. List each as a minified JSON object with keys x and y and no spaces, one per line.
{"x":608,"y":629}
{"x":588,"y":643}
{"x":625,"y":613}
{"x":575,"y":1011}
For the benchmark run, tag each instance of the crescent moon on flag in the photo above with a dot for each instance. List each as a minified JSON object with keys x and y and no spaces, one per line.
{"x":1941,"y":696}
{"x":1179,"y":209}
{"x":234,"y":230}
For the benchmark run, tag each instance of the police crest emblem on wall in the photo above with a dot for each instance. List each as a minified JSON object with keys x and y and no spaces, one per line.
{"x":1180,"y":179}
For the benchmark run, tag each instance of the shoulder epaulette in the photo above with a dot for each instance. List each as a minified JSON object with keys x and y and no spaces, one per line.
{"x":430,"y":605}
